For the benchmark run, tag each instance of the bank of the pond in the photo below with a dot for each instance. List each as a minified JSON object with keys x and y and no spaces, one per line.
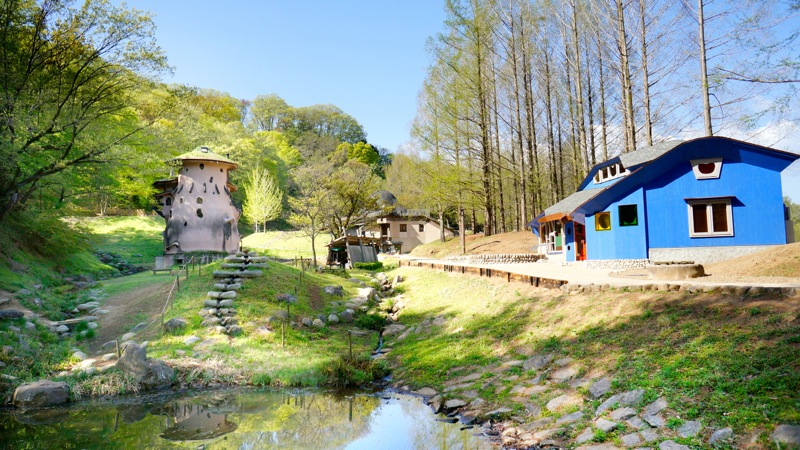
{"x":239,"y":418}
{"x":619,"y":368}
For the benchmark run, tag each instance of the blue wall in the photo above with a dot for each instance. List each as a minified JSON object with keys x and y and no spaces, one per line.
{"x":751,"y":177}
{"x":628,"y":242}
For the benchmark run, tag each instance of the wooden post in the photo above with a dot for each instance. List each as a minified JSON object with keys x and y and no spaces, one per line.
{"x":119,"y":354}
{"x":283,"y":334}
{"x":178,"y":281}
{"x":350,"y":339}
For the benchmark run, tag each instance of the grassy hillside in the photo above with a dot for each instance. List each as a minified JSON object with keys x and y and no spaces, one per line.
{"x":137,"y":239}
{"x":286,"y":244}
{"x":720,"y":360}
{"x":38,"y":250}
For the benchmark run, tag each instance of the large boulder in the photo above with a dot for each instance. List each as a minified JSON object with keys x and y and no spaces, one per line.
{"x":41,"y":393}
{"x":369,"y":293}
{"x":175,"y":325}
{"x":150,"y":373}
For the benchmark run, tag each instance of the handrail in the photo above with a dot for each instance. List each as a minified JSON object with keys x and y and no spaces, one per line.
{"x":176,"y":285}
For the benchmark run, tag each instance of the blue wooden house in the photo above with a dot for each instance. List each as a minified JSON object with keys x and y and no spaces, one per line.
{"x":702,"y":200}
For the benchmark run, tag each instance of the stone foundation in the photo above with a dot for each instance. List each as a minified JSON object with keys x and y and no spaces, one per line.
{"x":508,"y":258}
{"x":617,"y":265}
{"x":703,"y":255}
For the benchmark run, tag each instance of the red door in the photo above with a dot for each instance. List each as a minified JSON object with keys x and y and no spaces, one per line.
{"x":580,"y":242}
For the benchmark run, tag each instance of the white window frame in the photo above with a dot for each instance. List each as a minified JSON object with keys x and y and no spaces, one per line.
{"x":710,"y":217}
{"x":604,"y":174}
{"x":707,"y":176}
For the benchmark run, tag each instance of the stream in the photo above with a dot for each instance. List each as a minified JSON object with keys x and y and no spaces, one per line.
{"x":240,"y":418}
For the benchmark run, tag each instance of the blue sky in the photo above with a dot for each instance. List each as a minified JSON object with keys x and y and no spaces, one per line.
{"x":367,"y":57}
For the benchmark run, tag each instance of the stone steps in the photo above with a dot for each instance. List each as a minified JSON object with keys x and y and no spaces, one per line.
{"x":219,"y":311}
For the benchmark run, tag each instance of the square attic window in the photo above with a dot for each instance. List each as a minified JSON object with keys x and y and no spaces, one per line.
{"x":706,"y":169}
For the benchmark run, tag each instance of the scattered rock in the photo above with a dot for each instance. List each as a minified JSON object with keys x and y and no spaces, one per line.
{"x":585,"y":436}
{"x":563,"y":400}
{"x":655,"y":407}
{"x":609,"y":403}
{"x":499,"y":411}
{"x":649,"y":434}
{"x":393,"y":329}
{"x":307,"y":321}
{"x":605,"y":425}
{"x":175,"y":325}
{"x":80,"y":355}
{"x":62,"y":329}
{"x":631,"y":440}
{"x":41,"y":393}
{"x":334,"y":290}
{"x":721,"y":436}
{"x":318,"y":323}
{"x":690,"y":429}
{"x":570,"y":418}
{"x":11,"y":314}
{"x":151,"y":373}
{"x":786,"y":434}
{"x":637,"y":423}
{"x":632,"y":398}
{"x":537,"y":362}
{"x":565,"y":374}
{"x":425,"y":392}
{"x":128,"y":336}
{"x":622,"y":413}
{"x":333,"y":318}
{"x":191,"y":340}
{"x":656,"y":420}
{"x":454,"y":404}
{"x":347,"y":315}
{"x":672,"y":445}
{"x":600,"y":387}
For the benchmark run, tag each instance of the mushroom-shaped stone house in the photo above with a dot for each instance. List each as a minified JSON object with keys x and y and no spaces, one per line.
{"x":197,"y":204}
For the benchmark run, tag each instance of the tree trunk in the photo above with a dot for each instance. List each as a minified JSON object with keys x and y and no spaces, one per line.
{"x":625,"y":80}
{"x":704,"y":70}
{"x":648,"y":125}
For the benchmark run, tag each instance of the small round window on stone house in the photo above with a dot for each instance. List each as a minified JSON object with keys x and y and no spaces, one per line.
{"x":199,"y":200}
{"x":202,"y":166}
{"x":199,"y":213}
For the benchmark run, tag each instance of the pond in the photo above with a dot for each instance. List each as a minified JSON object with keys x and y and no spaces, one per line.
{"x":240,"y":418}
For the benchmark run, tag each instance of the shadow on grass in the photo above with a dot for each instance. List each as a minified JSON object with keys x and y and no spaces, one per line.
{"x":716,"y":359}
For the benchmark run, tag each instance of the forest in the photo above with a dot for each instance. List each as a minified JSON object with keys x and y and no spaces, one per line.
{"x":522,"y":97}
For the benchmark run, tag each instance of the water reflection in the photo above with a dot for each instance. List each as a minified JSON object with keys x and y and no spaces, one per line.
{"x":238,"y":418}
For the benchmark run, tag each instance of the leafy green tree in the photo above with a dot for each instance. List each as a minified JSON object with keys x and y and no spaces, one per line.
{"x":353,"y":188}
{"x":311,"y":203}
{"x":264,"y":198}
{"x":70,"y":77}
{"x":268,"y":111}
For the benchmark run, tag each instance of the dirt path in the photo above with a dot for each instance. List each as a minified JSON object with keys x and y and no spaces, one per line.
{"x":128,"y":309}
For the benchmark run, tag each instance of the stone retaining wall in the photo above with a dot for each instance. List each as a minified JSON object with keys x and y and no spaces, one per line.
{"x":496,"y":258}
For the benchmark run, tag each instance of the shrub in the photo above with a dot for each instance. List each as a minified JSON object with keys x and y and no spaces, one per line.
{"x":371,"y":266}
{"x":371,"y":322}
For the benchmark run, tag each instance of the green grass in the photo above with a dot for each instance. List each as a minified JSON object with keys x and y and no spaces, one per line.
{"x":310,"y":357}
{"x":137,"y":239}
{"x":37,"y":248}
{"x":286,"y":244}
{"x":714,"y":359}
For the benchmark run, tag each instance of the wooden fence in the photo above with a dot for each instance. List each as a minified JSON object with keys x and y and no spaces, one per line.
{"x":489,"y":273}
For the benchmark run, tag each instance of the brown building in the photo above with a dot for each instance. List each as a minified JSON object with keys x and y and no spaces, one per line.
{"x":196,"y":204}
